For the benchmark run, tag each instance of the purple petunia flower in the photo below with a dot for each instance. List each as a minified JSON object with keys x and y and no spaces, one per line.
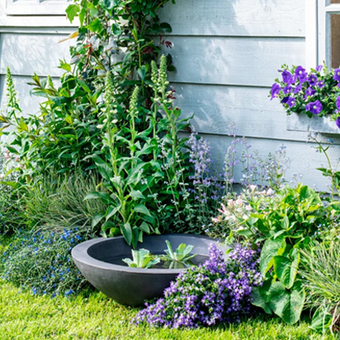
{"x":301,"y":73}
{"x":337,"y":103}
{"x":287,"y":77}
{"x":321,"y":83}
{"x":298,"y":88}
{"x":309,"y":92}
{"x":336,"y":74}
{"x":314,"y":107}
{"x":276,"y":88}
{"x":291,"y":101}
{"x":337,"y":122}
{"x":287,"y":89}
{"x":312,"y":79}
{"x":319,"y":68}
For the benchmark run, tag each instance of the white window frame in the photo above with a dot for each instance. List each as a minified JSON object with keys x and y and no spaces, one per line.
{"x":318,"y":34}
{"x":36,"y":7}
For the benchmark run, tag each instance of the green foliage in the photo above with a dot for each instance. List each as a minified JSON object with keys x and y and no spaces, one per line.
{"x":60,"y":137}
{"x":139,"y":162}
{"x":284,"y":222}
{"x":42,"y":262}
{"x":320,"y":270}
{"x":141,"y":259}
{"x":181,"y":254}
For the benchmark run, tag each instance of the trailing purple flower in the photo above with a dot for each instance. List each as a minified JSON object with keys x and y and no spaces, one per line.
{"x":217,"y":291}
{"x":313,"y":93}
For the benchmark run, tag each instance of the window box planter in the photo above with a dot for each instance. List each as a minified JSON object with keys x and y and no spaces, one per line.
{"x":301,"y":122}
{"x":131,"y":286}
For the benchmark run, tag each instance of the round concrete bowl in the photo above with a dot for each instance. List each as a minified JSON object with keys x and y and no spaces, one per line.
{"x":131,"y":286}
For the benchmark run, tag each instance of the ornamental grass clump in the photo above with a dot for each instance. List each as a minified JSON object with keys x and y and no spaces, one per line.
{"x":214,"y":292}
{"x":42,"y":262}
{"x":313,"y":93}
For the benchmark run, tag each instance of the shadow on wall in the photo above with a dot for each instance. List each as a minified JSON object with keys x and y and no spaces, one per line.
{"x":227,"y":54}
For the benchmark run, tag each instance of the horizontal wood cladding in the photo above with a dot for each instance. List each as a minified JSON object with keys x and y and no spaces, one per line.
{"x":215,"y":107}
{"x":233,"y":61}
{"x":26,"y":54}
{"x":236,"y":17}
{"x":302,"y":159}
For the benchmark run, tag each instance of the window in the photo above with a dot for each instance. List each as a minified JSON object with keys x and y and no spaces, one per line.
{"x":329,"y":32}
{"x":36,"y":7}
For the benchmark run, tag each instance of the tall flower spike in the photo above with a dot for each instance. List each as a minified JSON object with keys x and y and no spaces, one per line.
{"x":162,"y":77}
{"x":133,"y":109}
{"x":12,"y":100}
{"x":154,"y":72}
{"x":109,"y":90}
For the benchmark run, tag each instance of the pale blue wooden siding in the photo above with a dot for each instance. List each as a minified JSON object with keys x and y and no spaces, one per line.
{"x":227,"y":54}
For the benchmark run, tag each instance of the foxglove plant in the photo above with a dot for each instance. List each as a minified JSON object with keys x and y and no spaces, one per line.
{"x":313,"y":93}
{"x":217,"y":291}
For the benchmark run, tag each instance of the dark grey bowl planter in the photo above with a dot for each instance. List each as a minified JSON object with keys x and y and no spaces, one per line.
{"x":131,"y":286}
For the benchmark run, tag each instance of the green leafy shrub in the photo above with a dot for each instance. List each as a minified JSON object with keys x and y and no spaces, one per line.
{"x":285,"y":222}
{"x":42,"y":262}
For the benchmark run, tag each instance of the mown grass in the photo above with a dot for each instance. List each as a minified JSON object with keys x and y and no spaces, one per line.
{"x":24,"y":316}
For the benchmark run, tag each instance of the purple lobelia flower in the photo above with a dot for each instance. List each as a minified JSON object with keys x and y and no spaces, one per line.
{"x":336,"y":74}
{"x":217,"y":291}
{"x":314,"y":107}
{"x":276,"y":88}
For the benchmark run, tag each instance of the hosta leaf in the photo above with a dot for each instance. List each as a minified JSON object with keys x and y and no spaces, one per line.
{"x":258,"y":300}
{"x":286,"y":269}
{"x":287,"y":304}
{"x":269,"y":250}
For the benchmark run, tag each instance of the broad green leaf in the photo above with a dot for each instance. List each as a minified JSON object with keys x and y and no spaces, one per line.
{"x":69,"y":120}
{"x":269,"y":250}
{"x":95,"y":26}
{"x":105,"y":197}
{"x":127,"y":232}
{"x":144,"y":227}
{"x":97,"y":219}
{"x":12,"y":150}
{"x":287,"y":304}
{"x":72,"y":11}
{"x":258,"y":300}
{"x":111,"y":210}
{"x":136,"y":194}
{"x":104,"y":168}
{"x":140,"y":208}
{"x":286,"y":269}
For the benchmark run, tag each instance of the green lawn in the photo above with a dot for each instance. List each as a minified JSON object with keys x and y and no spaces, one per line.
{"x":25,"y":316}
